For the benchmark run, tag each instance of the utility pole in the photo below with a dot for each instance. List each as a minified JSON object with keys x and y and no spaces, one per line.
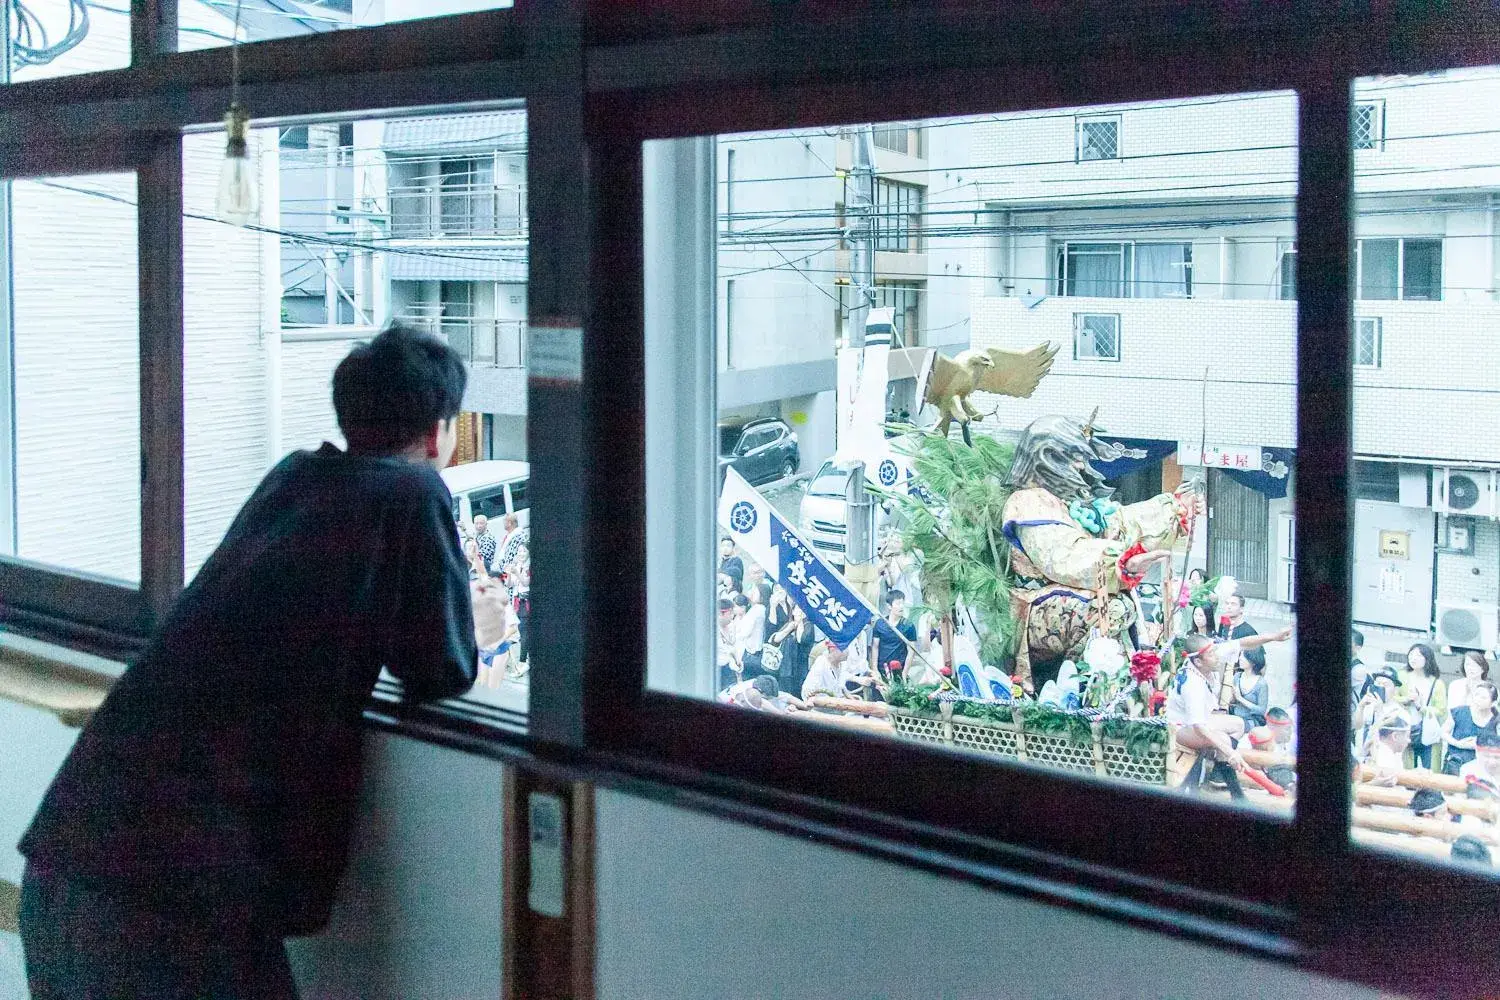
{"x":859,"y":538}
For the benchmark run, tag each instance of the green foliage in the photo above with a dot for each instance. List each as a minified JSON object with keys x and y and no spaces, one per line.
{"x":915,"y":698}
{"x":1051,"y":721}
{"x":956,"y":533}
{"x":1141,"y":739}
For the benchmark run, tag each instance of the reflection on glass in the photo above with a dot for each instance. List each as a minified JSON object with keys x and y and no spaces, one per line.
{"x":71,"y":464}
{"x":420,"y":220}
{"x":205,"y":23}
{"x":1426,"y":539}
{"x":1007,"y":436}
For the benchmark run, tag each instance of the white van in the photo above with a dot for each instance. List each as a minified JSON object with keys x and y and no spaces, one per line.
{"x":493,"y":488}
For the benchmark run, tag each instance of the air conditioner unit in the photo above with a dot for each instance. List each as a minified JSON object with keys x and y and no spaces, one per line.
{"x":1467,"y":626}
{"x":1464,"y":491}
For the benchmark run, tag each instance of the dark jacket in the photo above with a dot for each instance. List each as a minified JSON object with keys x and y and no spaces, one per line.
{"x":227,"y":758}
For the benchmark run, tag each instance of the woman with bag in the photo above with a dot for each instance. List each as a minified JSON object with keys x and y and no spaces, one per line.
{"x":1423,"y":695}
{"x":791,"y":637}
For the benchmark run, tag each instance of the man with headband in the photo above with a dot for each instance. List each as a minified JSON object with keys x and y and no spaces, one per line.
{"x":1191,"y":704}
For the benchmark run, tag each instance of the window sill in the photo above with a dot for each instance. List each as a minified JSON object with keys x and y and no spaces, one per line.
{"x":70,"y":685}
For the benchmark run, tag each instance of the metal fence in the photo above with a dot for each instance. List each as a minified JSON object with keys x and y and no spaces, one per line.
{"x":491,"y":343}
{"x":430,"y":211}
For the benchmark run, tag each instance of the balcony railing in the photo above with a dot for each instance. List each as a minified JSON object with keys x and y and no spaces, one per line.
{"x":487,"y":343}
{"x":426,"y":211}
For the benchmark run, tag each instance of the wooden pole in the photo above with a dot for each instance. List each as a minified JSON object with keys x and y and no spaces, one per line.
{"x":1415,"y":826}
{"x":1417,"y":777}
{"x":1439,"y":850}
{"x":1375,"y":795}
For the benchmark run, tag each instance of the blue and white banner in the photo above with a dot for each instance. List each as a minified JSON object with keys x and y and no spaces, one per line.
{"x":831,"y":604}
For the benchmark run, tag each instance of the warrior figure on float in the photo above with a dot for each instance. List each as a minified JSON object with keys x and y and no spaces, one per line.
{"x":1076,"y":555}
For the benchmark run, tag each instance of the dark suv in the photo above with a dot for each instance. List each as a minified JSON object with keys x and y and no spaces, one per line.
{"x":761,"y":450}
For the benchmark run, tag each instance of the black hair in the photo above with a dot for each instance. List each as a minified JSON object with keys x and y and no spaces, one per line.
{"x":894,"y":595}
{"x":1429,"y":659}
{"x":1478,"y":792}
{"x":1279,"y":714}
{"x":1470,"y":848}
{"x":1427,"y":800}
{"x":725,"y":604}
{"x":1486,"y":685}
{"x":391,"y":391}
{"x":1358,"y":637}
{"x":1477,"y":657}
{"x":741,"y":601}
{"x":766,"y":686}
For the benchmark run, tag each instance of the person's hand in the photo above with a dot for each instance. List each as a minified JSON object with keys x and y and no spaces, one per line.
{"x":1283,"y":635}
{"x":1234,"y":760}
{"x":1138,"y":565}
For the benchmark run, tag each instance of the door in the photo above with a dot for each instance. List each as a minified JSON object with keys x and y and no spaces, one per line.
{"x":1393,"y":564}
{"x":757,"y":454}
{"x":1238,"y":533}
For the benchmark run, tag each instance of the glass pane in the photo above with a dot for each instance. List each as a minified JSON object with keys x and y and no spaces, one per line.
{"x":417,"y":218}
{"x":1425,"y":535}
{"x":61,"y":37}
{"x":1422,"y":270}
{"x":72,"y":458}
{"x":206,"y":23}
{"x":1377,"y":268}
{"x":957,"y":530}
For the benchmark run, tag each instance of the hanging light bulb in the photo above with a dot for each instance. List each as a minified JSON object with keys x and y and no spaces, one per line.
{"x":236,"y":203}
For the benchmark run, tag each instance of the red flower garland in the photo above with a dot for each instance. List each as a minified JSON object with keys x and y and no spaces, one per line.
{"x":1145,"y":665}
{"x":1129,"y":581}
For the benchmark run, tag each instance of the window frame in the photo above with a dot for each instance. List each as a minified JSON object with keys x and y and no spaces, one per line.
{"x":1377,"y":115}
{"x":1378,"y":325}
{"x":598,"y":80}
{"x":1078,"y":129}
{"x":1400,"y":264}
{"x":1079,"y":320}
{"x":1129,"y":271}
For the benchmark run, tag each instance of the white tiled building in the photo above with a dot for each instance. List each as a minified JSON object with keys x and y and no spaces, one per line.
{"x":1156,"y":242}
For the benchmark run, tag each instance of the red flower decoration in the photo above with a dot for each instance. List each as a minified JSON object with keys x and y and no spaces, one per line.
{"x":1129,"y":581}
{"x":1145,"y":665}
{"x":1158,"y":699}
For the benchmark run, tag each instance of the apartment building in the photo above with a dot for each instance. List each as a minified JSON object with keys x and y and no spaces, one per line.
{"x":1157,"y":244}
{"x":784,"y":285}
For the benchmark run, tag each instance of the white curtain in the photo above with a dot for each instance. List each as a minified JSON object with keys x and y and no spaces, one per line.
{"x":1095,"y":271}
{"x":1161,"y":271}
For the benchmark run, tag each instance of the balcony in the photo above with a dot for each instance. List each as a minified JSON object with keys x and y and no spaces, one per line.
{"x":483,"y":343}
{"x":458,"y":211}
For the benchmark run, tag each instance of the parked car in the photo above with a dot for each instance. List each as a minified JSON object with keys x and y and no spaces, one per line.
{"x":824,"y":513}
{"x":762,"y":451}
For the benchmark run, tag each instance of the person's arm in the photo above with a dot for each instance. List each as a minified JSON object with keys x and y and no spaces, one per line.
{"x":1459,"y":743}
{"x":431,"y":648}
{"x":1250,"y":642}
{"x":1438,"y":708}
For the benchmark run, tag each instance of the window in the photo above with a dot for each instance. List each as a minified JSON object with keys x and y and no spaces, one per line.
{"x":1098,"y":138}
{"x":71,"y":464}
{"x":1125,"y":270}
{"x":1367,"y":341}
{"x":257,"y":375}
{"x":782,"y":546}
{"x":207,"y":23}
{"x":518,"y":500}
{"x":898,"y":216}
{"x":1369,"y":125}
{"x":906,"y":299}
{"x":1401,"y":269}
{"x":899,"y":139}
{"x":729,"y":179}
{"x":1287,"y":285}
{"x":1096,"y":337}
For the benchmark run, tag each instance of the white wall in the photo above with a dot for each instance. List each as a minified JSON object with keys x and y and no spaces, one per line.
{"x":696,"y":907}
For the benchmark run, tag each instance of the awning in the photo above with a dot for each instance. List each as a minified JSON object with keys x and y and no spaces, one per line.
{"x":488,"y":131}
{"x":458,"y":264}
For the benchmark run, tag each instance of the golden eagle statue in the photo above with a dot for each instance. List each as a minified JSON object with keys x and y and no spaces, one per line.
{"x":1007,"y":373}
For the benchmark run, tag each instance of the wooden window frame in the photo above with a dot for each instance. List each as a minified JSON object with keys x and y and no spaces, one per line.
{"x":600,"y":79}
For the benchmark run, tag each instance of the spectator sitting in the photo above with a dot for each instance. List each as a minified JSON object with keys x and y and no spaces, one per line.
{"x":727,"y":659}
{"x":1471,"y":850}
{"x":1428,"y":803}
{"x":1283,"y":732}
{"x":835,"y":673}
{"x":1250,"y":693}
{"x":749,"y":634}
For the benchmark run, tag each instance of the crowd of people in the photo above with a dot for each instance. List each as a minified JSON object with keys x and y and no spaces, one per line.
{"x":764,"y":636}
{"x":500,"y":578}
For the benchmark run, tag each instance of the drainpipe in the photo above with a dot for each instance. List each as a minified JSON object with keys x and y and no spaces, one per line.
{"x":1224,"y":267}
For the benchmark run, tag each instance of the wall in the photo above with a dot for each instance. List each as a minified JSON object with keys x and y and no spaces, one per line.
{"x":694,"y":906}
